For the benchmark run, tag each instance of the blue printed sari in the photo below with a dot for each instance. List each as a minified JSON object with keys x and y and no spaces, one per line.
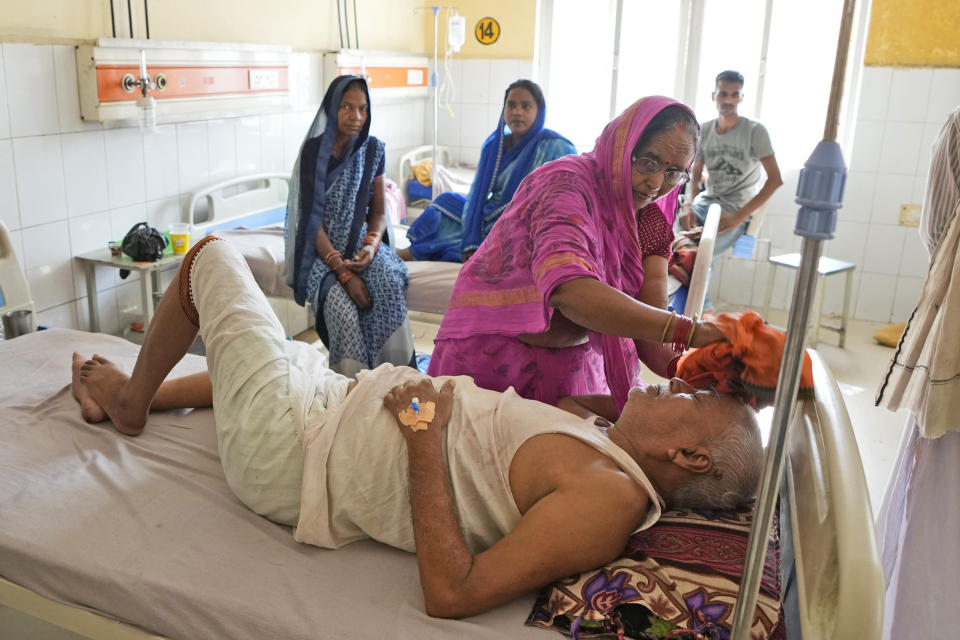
{"x":335,"y":195}
{"x":453,"y":225}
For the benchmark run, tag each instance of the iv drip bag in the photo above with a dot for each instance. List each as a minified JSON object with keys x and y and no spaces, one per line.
{"x":457,"y":32}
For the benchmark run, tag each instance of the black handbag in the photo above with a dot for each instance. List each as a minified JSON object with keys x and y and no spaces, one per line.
{"x":143,"y":243}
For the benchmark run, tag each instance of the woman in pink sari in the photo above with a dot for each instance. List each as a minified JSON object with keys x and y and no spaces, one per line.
{"x":568,"y":292}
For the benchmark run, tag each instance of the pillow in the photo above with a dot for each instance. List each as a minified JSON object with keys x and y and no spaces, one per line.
{"x":678,"y":579}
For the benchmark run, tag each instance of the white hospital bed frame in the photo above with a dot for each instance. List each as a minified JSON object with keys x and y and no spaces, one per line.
{"x":13,"y":282}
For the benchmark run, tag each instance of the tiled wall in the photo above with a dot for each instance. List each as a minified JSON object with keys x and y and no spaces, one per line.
{"x":68,"y":186}
{"x":478,"y":98}
{"x":900,"y":113}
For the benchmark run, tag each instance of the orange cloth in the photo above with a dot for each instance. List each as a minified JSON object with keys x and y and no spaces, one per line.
{"x":748,"y":365}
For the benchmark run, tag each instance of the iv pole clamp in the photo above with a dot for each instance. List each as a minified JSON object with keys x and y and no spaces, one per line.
{"x":435,"y":83}
{"x":819,"y":194}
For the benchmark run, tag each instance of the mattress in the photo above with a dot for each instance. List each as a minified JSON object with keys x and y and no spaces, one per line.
{"x":431,"y":283}
{"x":145,"y":530}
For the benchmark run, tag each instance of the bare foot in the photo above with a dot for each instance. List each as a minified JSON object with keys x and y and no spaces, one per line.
{"x":89,"y":409}
{"x":106,"y":384}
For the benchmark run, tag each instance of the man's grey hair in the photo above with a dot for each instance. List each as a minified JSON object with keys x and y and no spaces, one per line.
{"x":737,"y":467}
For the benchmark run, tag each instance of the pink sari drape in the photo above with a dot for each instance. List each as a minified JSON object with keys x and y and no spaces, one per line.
{"x":571,"y":218}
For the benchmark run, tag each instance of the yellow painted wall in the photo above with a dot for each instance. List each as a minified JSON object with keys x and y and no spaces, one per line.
{"x":304,"y":25}
{"x":914,"y":33}
{"x":518,"y":28}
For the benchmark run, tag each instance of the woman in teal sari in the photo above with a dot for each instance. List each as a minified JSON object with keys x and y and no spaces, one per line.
{"x":335,"y":222}
{"x":453,"y":227}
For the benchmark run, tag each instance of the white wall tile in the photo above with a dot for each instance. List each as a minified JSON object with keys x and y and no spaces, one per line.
{"x":849,"y":242}
{"x":475,"y":125}
{"x":915,"y":260}
{"x":85,"y":172}
{"x":475,"y":81}
{"x":503,"y":73}
{"x":906,"y":298}
{"x":901,"y":147}
{"x":162,"y":213}
{"x":295,"y":127}
{"x":161,"y":162}
{"x":107,"y":308}
{"x":88,"y":233}
{"x":874,"y":93}
{"x":38,"y":162}
{"x":68,"y":93}
{"x":833,"y":291}
{"x":448,"y":128}
{"x":469,"y":156}
{"x":875,"y":297}
{"x":16,"y":239}
{"x":4,"y":111}
{"x":736,"y":285}
{"x":128,"y":303}
{"x":62,"y":316}
{"x":192,"y":156}
{"x":919,"y":189}
{"x":223,"y":150}
{"x":884,"y":248}
{"x":760,"y":276}
{"x":858,"y":196}
{"x":271,"y":142}
{"x":909,"y":95}
{"x":126,"y":183}
{"x":47,"y":260}
{"x":31,"y":89}
{"x":9,"y":207}
{"x":891,"y":192}
{"x":944,"y":95}
{"x":122,"y":219}
{"x":249,"y":157}
{"x":867,"y":141}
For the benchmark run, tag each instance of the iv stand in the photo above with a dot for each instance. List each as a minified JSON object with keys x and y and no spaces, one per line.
{"x":434,"y":82}
{"x":819,"y":194}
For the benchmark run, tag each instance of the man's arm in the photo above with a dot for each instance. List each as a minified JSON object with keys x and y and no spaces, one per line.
{"x":590,"y":406}
{"x":688,"y":219}
{"x":732,"y":219}
{"x":550,"y":542}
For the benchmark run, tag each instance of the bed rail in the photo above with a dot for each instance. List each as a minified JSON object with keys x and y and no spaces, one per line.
{"x":252,"y":200}
{"x":14,"y":289}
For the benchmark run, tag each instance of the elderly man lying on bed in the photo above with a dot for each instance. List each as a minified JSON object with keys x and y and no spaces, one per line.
{"x":497,"y":495}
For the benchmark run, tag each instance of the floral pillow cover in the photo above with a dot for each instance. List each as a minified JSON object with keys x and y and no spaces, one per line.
{"x":677,"y":580}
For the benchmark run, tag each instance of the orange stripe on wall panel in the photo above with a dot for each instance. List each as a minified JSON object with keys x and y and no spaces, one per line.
{"x":389,"y":77}
{"x":187,"y":82}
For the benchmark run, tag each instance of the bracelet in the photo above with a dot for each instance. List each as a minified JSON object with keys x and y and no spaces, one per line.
{"x":680,"y":332}
{"x":344,"y":276}
{"x":372,"y":239}
{"x":672,"y":367}
{"x":337,"y":263}
{"x":666,"y":327}
{"x":330,"y":255}
{"x":693,"y":327}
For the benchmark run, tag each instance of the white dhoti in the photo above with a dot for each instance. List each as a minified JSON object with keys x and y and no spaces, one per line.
{"x":266,"y":388}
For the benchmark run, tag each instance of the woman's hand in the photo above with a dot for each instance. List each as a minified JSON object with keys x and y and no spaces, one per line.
{"x":468,"y":254}
{"x":706,"y":333}
{"x":400,"y":397}
{"x":361,"y":260}
{"x":358,"y":293}
{"x":688,"y":217}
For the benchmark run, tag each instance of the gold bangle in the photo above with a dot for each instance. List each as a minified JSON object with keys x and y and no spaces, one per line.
{"x":693,"y":327}
{"x":666,"y":327}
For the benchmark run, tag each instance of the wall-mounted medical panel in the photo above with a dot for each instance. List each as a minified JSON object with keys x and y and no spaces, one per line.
{"x":188,"y":80}
{"x":390,"y":76}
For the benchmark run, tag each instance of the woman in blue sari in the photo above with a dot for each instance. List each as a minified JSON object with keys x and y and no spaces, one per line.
{"x":453,"y":227}
{"x":335,"y":223}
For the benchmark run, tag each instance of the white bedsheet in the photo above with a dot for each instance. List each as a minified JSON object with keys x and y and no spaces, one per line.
{"x":145,"y":529}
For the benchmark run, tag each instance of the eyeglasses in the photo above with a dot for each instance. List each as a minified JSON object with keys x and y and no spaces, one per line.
{"x":650,"y":166}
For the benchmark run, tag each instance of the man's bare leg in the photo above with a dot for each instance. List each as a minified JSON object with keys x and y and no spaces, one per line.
{"x":127,"y":400}
{"x":188,"y":392}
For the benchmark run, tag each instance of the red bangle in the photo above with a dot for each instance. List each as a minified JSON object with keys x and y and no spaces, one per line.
{"x":331,"y":254}
{"x":344,"y":276}
{"x":672,"y":367}
{"x":680,"y":332}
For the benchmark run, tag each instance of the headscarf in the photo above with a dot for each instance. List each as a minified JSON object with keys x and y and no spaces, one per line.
{"x":304,"y":219}
{"x":547,"y":237}
{"x":493,"y":159}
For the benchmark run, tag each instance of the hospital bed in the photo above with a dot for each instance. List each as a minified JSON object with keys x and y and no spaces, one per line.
{"x":14,"y":290}
{"x":119,"y":538}
{"x":249,"y":211}
{"x":454,"y":178}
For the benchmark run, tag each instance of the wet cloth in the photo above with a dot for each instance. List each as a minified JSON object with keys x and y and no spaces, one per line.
{"x":746,"y":365}
{"x":356,"y":473}
{"x":452,"y":224}
{"x":571,"y":218}
{"x":266,"y":388}
{"x":335,"y":195}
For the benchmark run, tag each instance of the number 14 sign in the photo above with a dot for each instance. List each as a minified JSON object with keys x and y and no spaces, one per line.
{"x":487,"y":31}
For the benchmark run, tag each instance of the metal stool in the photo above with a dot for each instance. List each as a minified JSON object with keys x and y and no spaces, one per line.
{"x":826,"y":267}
